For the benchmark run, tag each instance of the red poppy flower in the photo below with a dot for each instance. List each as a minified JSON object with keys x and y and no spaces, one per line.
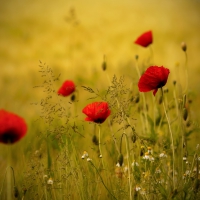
{"x":145,"y":39}
{"x":67,"y":88}
{"x":97,"y":112}
{"x":153,"y":78}
{"x":12,"y":127}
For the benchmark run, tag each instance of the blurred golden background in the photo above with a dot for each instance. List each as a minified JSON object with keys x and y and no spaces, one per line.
{"x":73,"y":36}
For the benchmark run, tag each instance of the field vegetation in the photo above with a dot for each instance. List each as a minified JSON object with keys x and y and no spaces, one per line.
{"x":146,"y":146}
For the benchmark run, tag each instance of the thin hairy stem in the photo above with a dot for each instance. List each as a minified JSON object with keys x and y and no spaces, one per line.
{"x":172,"y":140}
{"x":102,"y":180}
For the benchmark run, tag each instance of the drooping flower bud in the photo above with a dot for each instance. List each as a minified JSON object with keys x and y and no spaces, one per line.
{"x":120,"y":159}
{"x":185,"y":114}
{"x":183,"y":46}
{"x":104,"y":64}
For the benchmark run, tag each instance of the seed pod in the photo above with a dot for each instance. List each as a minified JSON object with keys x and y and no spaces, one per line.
{"x":185,"y":114}
{"x":121,"y":159}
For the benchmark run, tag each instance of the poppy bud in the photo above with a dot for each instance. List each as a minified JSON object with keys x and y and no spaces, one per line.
{"x":174,"y":82}
{"x":95,"y":140}
{"x":73,"y":97}
{"x":142,"y":151}
{"x":136,"y":57}
{"x":184,"y":100}
{"x":166,"y":90}
{"x":185,"y":114}
{"x":120,"y":159}
{"x":104,"y":64}
{"x":189,"y":100}
{"x":24,"y":191}
{"x":133,"y":138}
{"x":183,"y":46}
{"x":137,"y":99}
{"x":188,"y":124}
{"x":16,"y":192}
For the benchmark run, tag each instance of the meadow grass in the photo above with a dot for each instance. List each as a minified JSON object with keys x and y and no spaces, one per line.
{"x":149,"y":146}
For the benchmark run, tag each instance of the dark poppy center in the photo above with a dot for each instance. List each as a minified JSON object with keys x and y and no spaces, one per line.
{"x":9,"y":137}
{"x":99,"y":120}
{"x":161,"y":84}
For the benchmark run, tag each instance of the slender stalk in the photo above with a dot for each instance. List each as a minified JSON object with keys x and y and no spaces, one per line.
{"x":186,"y":73}
{"x":172,"y":140}
{"x":6,"y":175}
{"x":143,"y":97}
{"x":102,"y":180}
{"x":9,"y":190}
{"x":100,"y":152}
{"x":129,"y":167}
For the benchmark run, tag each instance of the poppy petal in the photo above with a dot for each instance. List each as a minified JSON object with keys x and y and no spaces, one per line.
{"x":145,"y":39}
{"x":97,"y":112}
{"x":12,"y":127}
{"x":67,"y":88}
{"x":153,"y":78}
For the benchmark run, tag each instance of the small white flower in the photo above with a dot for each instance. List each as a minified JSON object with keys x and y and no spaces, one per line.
{"x":50,"y":181}
{"x":118,"y":165}
{"x":184,"y":158}
{"x":89,"y":159}
{"x":142,"y":192}
{"x":45,"y":176}
{"x":134,"y":164}
{"x":100,"y":156}
{"x":187,"y":172}
{"x":137,"y":188}
{"x":151,"y":158}
{"x":85,"y":154}
{"x":125,"y":169}
{"x":163,"y":155}
{"x":149,"y":150}
{"x":146,"y":157}
{"x":158,"y":171}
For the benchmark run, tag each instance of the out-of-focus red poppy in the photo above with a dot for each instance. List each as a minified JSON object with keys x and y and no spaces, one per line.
{"x":97,"y":112}
{"x":12,"y":127}
{"x":67,"y":88}
{"x":153,"y":78}
{"x":145,"y":39}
